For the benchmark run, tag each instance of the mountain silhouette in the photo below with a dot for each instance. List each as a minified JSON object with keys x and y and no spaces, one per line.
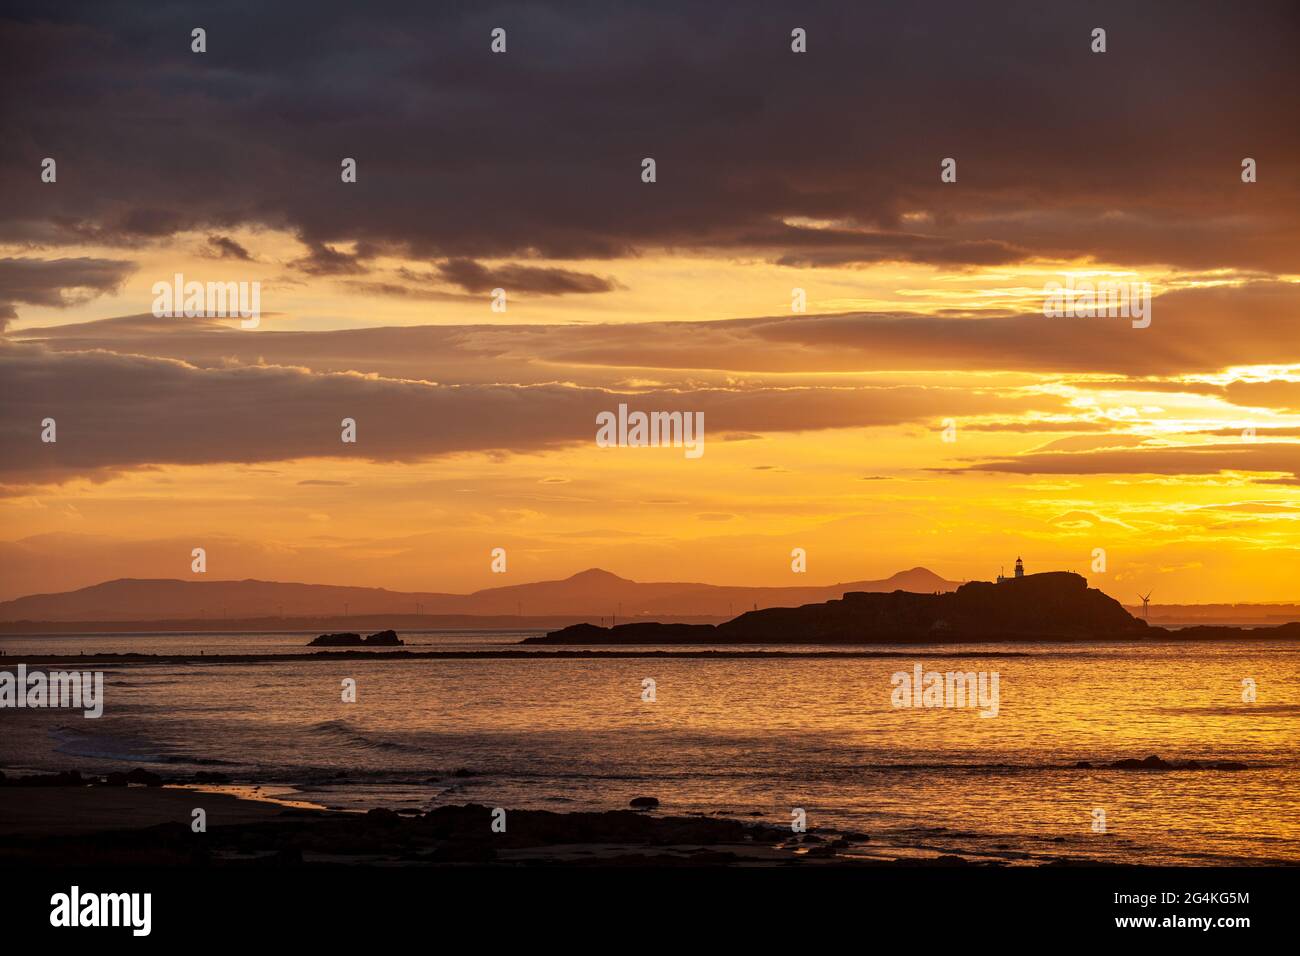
{"x":590,"y":593}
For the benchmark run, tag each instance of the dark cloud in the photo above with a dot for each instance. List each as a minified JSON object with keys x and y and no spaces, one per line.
{"x":1130,"y":156}
{"x":59,"y":283}
{"x":147,"y":411}
{"x":223,"y":247}
{"x":151,"y":222}
{"x":837,"y":247}
{"x":475,"y":277}
{"x":1243,"y":456}
{"x":1202,"y":330}
{"x":1275,"y":394}
{"x":325,"y":260}
{"x":400,"y":290}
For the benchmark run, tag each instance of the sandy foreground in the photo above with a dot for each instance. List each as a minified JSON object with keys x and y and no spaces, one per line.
{"x":31,"y":811}
{"x":151,"y":825}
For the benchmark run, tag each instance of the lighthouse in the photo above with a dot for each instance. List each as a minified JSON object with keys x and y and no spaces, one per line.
{"x":1020,"y":572}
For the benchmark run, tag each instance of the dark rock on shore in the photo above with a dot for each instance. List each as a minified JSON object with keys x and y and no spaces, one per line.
{"x":146,"y":777}
{"x":448,"y":834}
{"x":378,"y":639}
{"x":65,"y":778}
{"x":138,"y":776}
{"x":455,"y":835}
{"x":532,"y":828}
{"x":116,"y":778}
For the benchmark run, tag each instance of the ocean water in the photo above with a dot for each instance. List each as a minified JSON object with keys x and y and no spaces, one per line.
{"x":240,"y":642}
{"x":752,"y":738}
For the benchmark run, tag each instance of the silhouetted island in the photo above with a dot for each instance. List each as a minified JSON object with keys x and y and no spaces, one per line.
{"x":1051,"y":606}
{"x":380,"y":639}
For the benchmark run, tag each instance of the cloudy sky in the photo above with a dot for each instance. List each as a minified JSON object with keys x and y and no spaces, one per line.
{"x":1175,"y":447}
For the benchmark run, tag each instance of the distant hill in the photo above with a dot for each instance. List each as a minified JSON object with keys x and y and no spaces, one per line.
{"x":592,"y":593}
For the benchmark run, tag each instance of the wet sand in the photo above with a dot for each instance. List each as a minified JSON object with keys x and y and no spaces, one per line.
{"x":150,"y":826}
{"x":47,"y":811}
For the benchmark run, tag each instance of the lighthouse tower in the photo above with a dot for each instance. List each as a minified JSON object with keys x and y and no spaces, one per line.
{"x":1020,"y":568}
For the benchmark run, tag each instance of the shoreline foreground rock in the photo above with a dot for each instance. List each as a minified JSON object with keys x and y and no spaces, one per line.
{"x":449,"y":834}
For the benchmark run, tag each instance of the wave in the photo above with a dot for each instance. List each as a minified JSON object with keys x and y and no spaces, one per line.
{"x":73,"y":741}
{"x":344,"y":732}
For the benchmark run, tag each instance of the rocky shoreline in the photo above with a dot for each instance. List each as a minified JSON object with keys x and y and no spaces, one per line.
{"x":468,"y":834}
{"x":140,"y":817}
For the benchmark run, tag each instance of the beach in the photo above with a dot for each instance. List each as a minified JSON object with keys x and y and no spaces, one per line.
{"x":62,"y":811}
{"x":91,"y":823}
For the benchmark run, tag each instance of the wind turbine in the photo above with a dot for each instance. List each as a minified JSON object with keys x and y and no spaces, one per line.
{"x":1146,"y":605}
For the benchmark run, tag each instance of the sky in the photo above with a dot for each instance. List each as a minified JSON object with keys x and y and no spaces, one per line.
{"x":921,"y":409}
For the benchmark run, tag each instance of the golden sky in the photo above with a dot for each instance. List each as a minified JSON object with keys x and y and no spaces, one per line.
{"x":1174,"y":448}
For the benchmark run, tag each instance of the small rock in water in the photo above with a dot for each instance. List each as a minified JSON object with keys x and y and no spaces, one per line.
{"x":1150,"y":763}
{"x":644,"y":803}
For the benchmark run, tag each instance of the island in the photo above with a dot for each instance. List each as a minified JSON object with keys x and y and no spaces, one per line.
{"x":380,"y":639}
{"x":1050,"y":606}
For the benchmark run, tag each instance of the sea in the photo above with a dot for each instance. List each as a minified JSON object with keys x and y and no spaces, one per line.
{"x":755,"y":738}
